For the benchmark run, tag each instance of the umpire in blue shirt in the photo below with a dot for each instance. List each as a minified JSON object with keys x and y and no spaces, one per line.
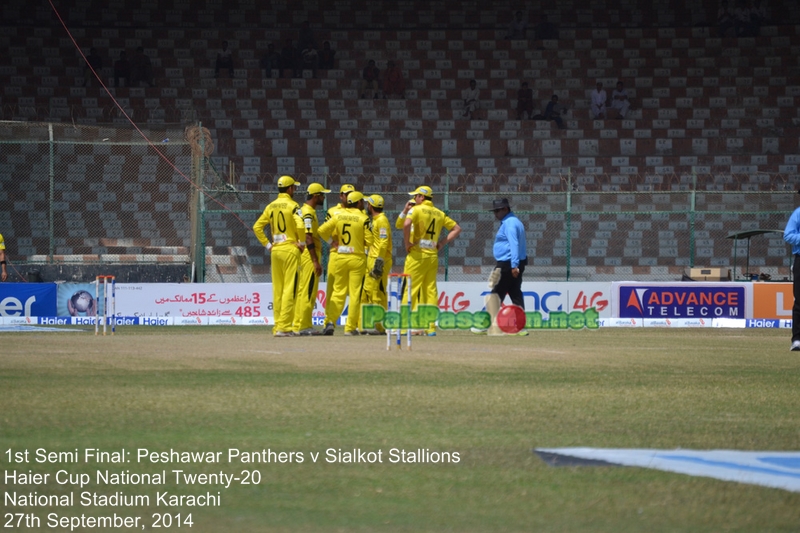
{"x":792,"y":236}
{"x":510,"y":252}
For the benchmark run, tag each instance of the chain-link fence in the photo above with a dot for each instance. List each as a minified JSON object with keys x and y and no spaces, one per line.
{"x":87,"y":194}
{"x":570,"y":235}
{"x":103,"y":195}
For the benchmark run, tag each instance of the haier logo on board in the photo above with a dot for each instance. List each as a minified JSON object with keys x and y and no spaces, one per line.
{"x":54,"y":320}
{"x":154,"y":321}
{"x":763,"y":323}
{"x":681,"y":302}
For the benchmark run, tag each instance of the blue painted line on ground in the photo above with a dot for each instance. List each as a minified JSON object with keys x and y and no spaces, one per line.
{"x":786,"y":462}
{"x":732,"y":466}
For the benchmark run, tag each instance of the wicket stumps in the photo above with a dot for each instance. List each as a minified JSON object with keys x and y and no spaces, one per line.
{"x":399,"y":280}
{"x":106,"y":315}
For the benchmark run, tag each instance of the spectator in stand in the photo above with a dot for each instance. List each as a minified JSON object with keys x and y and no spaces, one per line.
{"x":749,"y":19}
{"x":471,"y":100}
{"x":725,"y":18}
{"x":308,"y":49}
{"x":553,"y":112}
{"x":758,"y":16}
{"x":741,"y":17}
{"x":310,"y":58}
{"x":619,"y":100}
{"x":370,"y":80}
{"x":122,"y":70}
{"x":270,"y":60}
{"x":289,"y":59}
{"x":545,"y":30}
{"x":141,"y":69}
{"x":524,"y":101}
{"x":599,"y":98}
{"x":93,"y":63}
{"x":393,"y":82}
{"x":326,"y":56}
{"x":306,"y":37}
{"x":518,"y":27}
{"x":224,"y":60}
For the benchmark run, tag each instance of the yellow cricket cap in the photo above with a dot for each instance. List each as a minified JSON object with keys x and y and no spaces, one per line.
{"x":354,"y":197}
{"x":286,"y":181}
{"x":424,"y":190}
{"x":346,"y":188}
{"x":376,"y":200}
{"x":316,"y":188}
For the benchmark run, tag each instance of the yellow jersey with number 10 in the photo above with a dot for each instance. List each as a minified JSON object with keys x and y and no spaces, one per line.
{"x":284,"y":219}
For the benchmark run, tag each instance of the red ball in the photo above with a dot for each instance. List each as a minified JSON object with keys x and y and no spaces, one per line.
{"x":511,"y":319}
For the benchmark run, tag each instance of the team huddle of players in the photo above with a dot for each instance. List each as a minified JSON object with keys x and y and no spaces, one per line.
{"x":360,"y":259}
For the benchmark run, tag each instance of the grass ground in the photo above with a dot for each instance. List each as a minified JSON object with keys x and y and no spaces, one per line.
{"x":491,"y":400}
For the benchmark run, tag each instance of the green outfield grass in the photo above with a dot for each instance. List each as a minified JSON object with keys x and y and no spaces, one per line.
{"x":490,"y":400}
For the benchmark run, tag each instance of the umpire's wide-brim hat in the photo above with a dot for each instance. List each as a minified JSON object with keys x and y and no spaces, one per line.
{"x":501,"y":203}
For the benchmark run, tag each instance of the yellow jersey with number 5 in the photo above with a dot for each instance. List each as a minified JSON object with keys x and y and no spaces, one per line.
{"x":352,"y":228}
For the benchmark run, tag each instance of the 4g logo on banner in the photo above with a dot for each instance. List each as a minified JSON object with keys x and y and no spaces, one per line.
{"x":597,"y":301}
{"x":545,"y":302}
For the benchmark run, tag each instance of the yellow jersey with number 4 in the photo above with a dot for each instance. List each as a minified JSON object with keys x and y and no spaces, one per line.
{"x":427,"y":224}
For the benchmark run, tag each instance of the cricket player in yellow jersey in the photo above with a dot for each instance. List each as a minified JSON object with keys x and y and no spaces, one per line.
{"x":287,"y":243}
{"x":352,"y":227}
{"x":422,"y":224}
{"x":344,"y":190}
{"x":379,"y":260}
{"x":310,"y":265}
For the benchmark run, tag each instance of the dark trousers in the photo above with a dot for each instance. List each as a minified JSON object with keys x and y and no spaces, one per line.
{"x":508,"y":284}
{"x":223,"y":63}
{"x":796,"y":306}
